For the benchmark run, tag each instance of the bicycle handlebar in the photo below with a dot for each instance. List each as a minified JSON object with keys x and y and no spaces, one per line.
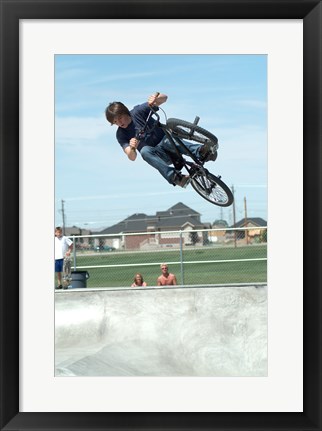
{"x":152,"y":112}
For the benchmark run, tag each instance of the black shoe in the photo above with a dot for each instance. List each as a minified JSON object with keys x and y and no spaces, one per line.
{"x":59,"y":287}
{"x":181,"y":180}
{"x":208,"y":152}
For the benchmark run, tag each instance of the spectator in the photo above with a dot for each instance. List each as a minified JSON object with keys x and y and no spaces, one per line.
{"x":138,"y":281}
{"x":166,"y":278}
{"x":63,"y":248}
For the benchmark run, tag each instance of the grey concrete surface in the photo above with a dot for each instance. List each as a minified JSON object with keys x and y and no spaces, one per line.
{"x":182,"y":331}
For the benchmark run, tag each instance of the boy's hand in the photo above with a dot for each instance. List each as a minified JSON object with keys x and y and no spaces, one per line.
{"x":152,"y":99}
{"x":134,"y":144}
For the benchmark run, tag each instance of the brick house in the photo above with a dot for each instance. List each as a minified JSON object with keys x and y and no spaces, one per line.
{"x":254,"y":233}
{"x":159,"y":229}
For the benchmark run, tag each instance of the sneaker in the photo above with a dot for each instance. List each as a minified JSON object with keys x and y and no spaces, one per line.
{"x":207,"y":152}
{"x":59,"y":287}
{"x":181,"y":180}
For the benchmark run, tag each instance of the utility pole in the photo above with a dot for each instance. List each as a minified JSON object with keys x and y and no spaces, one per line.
{"x":63,"y":215}
{"x":234,"y":216}
{"x":245,"y":209}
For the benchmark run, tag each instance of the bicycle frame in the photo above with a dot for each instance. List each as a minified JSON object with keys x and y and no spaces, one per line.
{"x":193,"y":168}
{"x":209,"y":186}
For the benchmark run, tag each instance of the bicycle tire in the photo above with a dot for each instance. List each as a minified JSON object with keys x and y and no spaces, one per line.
{"x":191,"y":132}
{"x":213,"y":189}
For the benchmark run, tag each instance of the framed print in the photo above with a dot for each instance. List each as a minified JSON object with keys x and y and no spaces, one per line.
{"x":32,"y":34}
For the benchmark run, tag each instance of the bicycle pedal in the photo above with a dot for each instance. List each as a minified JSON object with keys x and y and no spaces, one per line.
{"x":182,"y":181}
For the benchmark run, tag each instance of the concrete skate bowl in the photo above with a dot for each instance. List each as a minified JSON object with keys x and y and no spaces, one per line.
{"x":170,"y":331}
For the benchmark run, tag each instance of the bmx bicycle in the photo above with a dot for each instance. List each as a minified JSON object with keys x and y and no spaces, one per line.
{"x":206,"y":184}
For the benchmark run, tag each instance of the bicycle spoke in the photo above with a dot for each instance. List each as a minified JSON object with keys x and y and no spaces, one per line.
{"x":212,"y":189}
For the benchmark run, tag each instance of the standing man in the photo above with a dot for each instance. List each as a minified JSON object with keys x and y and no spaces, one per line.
{"x":166,"y":278}
{"x":63,"y":248}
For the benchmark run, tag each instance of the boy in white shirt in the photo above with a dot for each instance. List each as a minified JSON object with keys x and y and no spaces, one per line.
{"x":63,"y":248}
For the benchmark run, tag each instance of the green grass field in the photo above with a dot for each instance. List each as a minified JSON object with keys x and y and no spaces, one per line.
{"x":122,"y":266}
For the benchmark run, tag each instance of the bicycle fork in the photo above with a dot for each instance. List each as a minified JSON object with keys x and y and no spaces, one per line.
{"x":200,"y":174}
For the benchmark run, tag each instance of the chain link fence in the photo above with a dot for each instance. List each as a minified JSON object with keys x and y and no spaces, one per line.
{"x":196,"y":257}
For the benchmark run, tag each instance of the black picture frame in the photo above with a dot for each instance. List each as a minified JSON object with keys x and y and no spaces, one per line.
{"x":11,"y":12}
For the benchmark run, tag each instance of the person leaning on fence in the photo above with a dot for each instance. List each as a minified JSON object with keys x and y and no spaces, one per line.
{"x":63,"y":248}
{"x":138,"y":281}
{"x":166,"y":278}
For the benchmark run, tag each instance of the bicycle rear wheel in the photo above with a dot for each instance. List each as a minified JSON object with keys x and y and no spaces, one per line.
{"x":191,"y":132}
{"x":212,"y":188}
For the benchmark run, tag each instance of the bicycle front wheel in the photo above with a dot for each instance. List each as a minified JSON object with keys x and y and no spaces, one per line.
{"x":213,"y":189}
{"x":191,"y":132}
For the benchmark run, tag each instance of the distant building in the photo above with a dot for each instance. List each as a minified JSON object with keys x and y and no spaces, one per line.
{"x":218,"y":235}
{"x":158,"y":229}
{"x":251,"y":221}
{"x":85,"y":243}
{"x":254,"y":233}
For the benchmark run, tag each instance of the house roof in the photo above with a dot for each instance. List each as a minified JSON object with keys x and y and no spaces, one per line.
{"x":178,"y":209}
{"x":76,"y":231}
{"x":257,"y":221}
{"x":173,"y":218}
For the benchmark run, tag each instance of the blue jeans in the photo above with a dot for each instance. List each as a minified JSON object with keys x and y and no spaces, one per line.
{"x":159,"y":158}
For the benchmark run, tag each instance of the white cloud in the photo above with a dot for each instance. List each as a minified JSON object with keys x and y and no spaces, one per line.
{"x":252,"y":103}
{"x":76,"y":130}
{"x":121,"y":77}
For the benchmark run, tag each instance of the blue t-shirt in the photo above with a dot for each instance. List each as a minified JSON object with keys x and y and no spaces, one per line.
{"x":139,"y":114}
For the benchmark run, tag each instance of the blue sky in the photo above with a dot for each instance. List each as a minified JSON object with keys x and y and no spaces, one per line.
{"x":97,"y":182}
